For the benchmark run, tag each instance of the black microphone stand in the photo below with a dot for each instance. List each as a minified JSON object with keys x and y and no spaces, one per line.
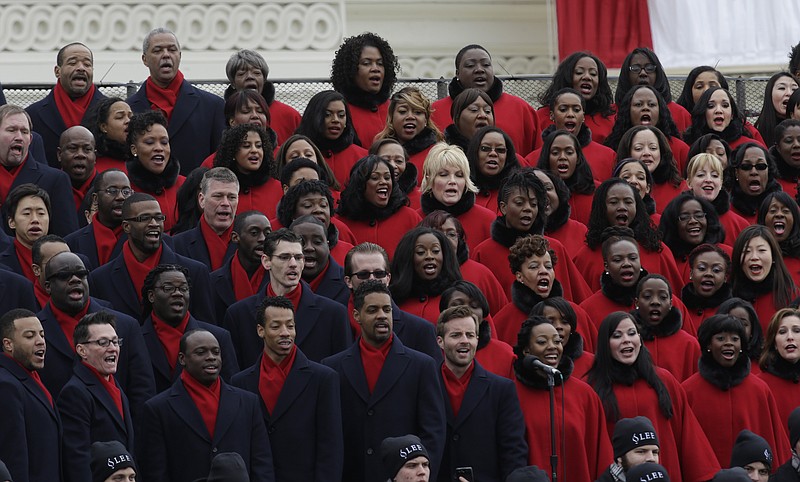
{"x":551,"y":383}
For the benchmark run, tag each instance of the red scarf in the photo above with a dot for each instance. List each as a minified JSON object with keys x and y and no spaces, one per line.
{"x":105,"y":239}
{"x":68,"y":322}
{"x":170,"y":337}
{"x":271,"y":378}
{"x":7,"y":177}
{"x":372,"y":359}
{"x":36,"y":378}
{"x":353,"y":323}
{"x":138,"y":271}
{"x":164,"y":99}
{"x":456,"y":387}
{"x":294,"y":295}
{"x":78,"y":194}
{"x":72,"y":110}
{"x":243,"y":285}
{"x":217,"y":244}
{"x":206,"y":399}
{"x":314,"y":283}
{"x":42,"y":297}
{"x":25,"y":258}
{"x":110,"y":387}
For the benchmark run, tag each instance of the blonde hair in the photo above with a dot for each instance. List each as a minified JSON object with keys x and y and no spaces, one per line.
{"x":416,"y":100}
{"x":701,"y":160}
{"x":440,"y":156}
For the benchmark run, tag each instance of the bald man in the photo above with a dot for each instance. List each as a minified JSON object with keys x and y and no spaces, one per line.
{"x":77,"y":155}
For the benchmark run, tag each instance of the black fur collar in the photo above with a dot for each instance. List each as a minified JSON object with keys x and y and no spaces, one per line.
{"x":153,"y":183}
{"x":749,"y":204}
{"x":430,"y":204}
{"x":507,"y":236}
{"x":408,"y":180}
{"x":114,"y":150}
{"x":537,"y":379}
{"x":722,"y":203}
{"x":783,"y":369}
{"x":484,"y":334}
{"x":525,"y":298}
{"x":785,"y":171}
{"x":721,"y":377}
{"x":584,"y":135}
{"x":454,"y":137}
{"x":329,"y":147}
{"x":622,"y":373}
{"x":495,"y":91}
{"x":370,"y":213}
{"x":421,"y":141}
{"x":748,"y":290}
{"x":333,"y":235}
{"x":693,"y":301}
{"x":248,"y":180}
{"x":559,"y":217}
{"x":616,"y":292}
{"x":424,"y":289}
{"x":668,"y":326}
{"x":366,"y":100}
{"x":574,"y":347}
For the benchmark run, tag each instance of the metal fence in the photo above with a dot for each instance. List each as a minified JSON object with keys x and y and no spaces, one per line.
{"x":748,"y":91}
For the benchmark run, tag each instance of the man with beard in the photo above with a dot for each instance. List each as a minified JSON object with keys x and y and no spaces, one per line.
{"x":77,"y":155}
{"x":322,"y":273}
{"x":196,"y":118}
{"x":199,"y":416}
{"x":120,"y":281}
{"x":102,"y":240}
{"x":30,"y":425}
{"x":69,"y":302}
{"x":166,"y":303}
{"x":67,"y":103}
{"x":210,"y":242}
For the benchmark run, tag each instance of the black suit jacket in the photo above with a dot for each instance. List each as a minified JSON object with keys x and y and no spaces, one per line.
{"x":30,"y":427}
{"x":177,"y":447}
{"x":192,"y":245}
{"x":17,"y":292}
{"x":222,"y":288}
{"x":83,"y":242}
{"x":195,"y":127}
{"x":305,"y":427}
{"x":89,"y":414}
{"x":332,"y":285}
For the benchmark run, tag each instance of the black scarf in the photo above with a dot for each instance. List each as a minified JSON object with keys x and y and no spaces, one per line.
{"x":722,"y":203}
{"x":749,"y":290}
{"x":430,"y":204}
{"x":366,"y":100}
{"x":454,"y":137}
{"x":623,"y":374}
{"x":616,"y":292}
{"x":693,"y":301}
{"x":506,"y":236}
{"x":559,"y":217}
{"x":249,"y":180}
{"x":149,"y":181}
{"x":783,"y":369}
{"x":747,"y":204}
{"x":408,"y":179}
{"x":484,"y":334}
{"x":495,"y":91}
{"x":421,"y":141}
{"x":574,"y":347}
{"x":329,"y":147}
{"x":538,"y":379}
{"x":785,"y":171}
{"x":424,"y":289}
{"x":113,"y":149}
{"x":370,"y":213}
{"x":668,"y":326}
{"x":721,"y":377}
{"x":525,"y":298}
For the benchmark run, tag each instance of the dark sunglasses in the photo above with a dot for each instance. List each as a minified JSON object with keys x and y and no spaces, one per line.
{"x":378,"y":274}
{"x":67,"y":275}
{"x":749,"y":167}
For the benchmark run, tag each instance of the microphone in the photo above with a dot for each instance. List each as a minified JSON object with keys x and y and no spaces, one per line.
{"x":530,"y":362}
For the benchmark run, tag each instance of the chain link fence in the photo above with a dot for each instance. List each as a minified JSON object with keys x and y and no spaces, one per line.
{"x":748,"y":91}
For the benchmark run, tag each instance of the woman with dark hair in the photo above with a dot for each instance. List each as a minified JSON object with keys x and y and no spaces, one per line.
{"x":780,"y":214}
{"x":299,"y":170}
{"x":642,"y":67}
{"x":643,"y":105}
{"x":617,"y":203}
{"x":492,"y":158}
{"x":471,"y":270}
{"x":716,"y":113}
{"x":705,"y":177}
{"x":494,"y":355}
{"x":373,"y":206}
{"x":786,"y":154}
{"x":687,"y":222}
{"x":532,"y":263}
{"x":560,"y":313}
{"x":409,"y":121}
{"x":327,"y":122}
{"x":560,"y":225}
{"x":186,"y":204}
{"x":391,"y":151}
{"x":779,"y":367}
{"x":151,"y":169}
{"x":759,"y":274}
{"x":577,"y":408}
{"x":108,"y":121}
{"x":649,"y":145}
{"x":711,"y":144}
{"x":512,"y":114}
{"x":424,"y":265}
{"x":630,"y":384}
{"x":635,"y":173}
{"x":661,"y":323}
{"x":245,"y":149}
{"x":725,"y":397}
{"x":708,"y":285}
{"x":792,"y":110}
{"x":314,"y":198}
{"x":754,"y":337}
{"x":470,"y":110}
{"x":698,"y":81}
{"x":587,"y":74}
{"x":567,"y":113}
{"x":364,"y":70}
{"x":562,"y":155}
{"x":754,"y":177}
{"x":779,"y":88}
{"x":298,"y":145}
{"x":522,"y":202}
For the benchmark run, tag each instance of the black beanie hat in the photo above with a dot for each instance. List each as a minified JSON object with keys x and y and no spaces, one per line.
{"x":630,"y":433}
{"x":794,"y":427}
{"x":647,"y":472}
{"x":531,"y":473}
{"x":4,"y":473}
{"x":107,"y":458}
{"x":734,"y":474}
{"x":396,"y":451}
{"x":750,"y":448}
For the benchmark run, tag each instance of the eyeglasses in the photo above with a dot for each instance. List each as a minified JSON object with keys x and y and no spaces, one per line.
{"x":285,"y":257}
{"x":749,"y":167}
{"x":377,"y":274}
{"x":104,"y":342}
{"x":113,"y":191}
{"x":649,"y":68}
{"x":499,"y":150}
{"x":145,"y":218}
{"x":169,"y":289}
{"x":67,"y":275}
{"x":687,"y":216}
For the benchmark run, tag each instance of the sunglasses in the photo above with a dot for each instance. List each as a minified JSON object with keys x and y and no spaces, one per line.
{"x":378,"y":274}
{"x":749,"y":167}
{"x":67,"y":275}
